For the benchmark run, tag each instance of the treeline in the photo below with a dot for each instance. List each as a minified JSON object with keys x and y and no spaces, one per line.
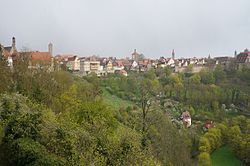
{"x":53,"y":118}
{"x":207,"y":90}
{"x":208,"y":95}
{"x":235,"y":133}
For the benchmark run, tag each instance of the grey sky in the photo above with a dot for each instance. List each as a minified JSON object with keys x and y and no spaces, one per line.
{"x":116,"y":27}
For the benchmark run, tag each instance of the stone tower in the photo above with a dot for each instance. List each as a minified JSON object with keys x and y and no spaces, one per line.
{"x":50,"y":49}
{"x":135,"y":55}
{"x":173,"y":54}
{"x":13,"y":43}
{"x":235,"y":53}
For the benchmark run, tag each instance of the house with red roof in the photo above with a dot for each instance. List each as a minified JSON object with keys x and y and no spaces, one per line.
{"x":73,"y":63}
{"x":118,"y":65}
{"x":243,"y":59}
{"x":38,"y":59}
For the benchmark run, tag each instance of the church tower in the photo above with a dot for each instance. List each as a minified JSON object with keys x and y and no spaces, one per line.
{"x":50,"y":49}
{"x":235,"y":53}
{"x":14,"y":44}
{"x":173,"y":54}
{"x":135,"y":55}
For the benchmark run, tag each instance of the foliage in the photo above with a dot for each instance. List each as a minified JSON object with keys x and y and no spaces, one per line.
{"x":219,"y":74}
{"x":207,"y":77}
{"x":54,"y":118}
{"x":204,"y":159}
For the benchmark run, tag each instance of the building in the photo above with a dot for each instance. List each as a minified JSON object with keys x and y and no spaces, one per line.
{"x":243,"y":59}
{"x":109,"y":67}
{"x":38,"y":59}
{"x":50,"y":49}
{"x":208,"y":125}
{"x":118,"y":65}
{"x":88,"y":67}
{"x":173,"y":54}
{"x":134,"y":66}
{"x":145,"y":64}
{"x":170,"y":62}
{"x":73,"y":63}
{"x":136,"y":56}
{"x":123,"y":72}
{"x":10,"y":53}
{"x":224,"y":61}
{"x":186,"y":118}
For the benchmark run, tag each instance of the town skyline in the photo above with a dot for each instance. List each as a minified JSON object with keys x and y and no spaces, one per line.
{"x":166,"y":55}
{"x":116,"y":28}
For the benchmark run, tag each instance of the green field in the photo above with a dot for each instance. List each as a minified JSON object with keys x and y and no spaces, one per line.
{"x":225,"y":157}
{"x":114,"y":101}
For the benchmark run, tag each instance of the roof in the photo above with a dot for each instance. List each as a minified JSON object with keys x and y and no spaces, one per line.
{"x":162,"y":60}
{"x":64,"y":57}
{"x":120,"y":62}
{"x":127,"y":62}
{"x":115,"y":64}
{"x":185,"y":114}
{"x":224,"y":58}
{"x":8,"y":48}
{"x":242,"y":57}
{"x":246,"y":50}
{"x":209,"y":124}
{"x":73,"y":58}
{"x":41,"y":56}
{"x":135,"y":53}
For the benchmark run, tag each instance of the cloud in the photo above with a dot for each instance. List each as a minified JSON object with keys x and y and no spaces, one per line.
{"x":116,"y":27}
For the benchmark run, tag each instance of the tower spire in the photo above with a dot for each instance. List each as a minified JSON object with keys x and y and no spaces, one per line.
{"x":173,"y":54}
{"x":50,"y":46}
{"x":235,"y":53}
{"x":13,"y":42}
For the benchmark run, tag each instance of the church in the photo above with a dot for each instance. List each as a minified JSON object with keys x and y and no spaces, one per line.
{"x":10,"y":53}
{"x":36,"y":59}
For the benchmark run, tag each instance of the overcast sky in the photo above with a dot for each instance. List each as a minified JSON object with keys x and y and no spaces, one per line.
{"x":116,"y":27}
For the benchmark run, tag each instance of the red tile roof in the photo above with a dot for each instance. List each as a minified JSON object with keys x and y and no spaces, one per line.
{"x":185,"y":115}
{"x":41,"y":56}
{"x":242,"y":57}
{"x":72,"y":58}
{"x":119,"y":62}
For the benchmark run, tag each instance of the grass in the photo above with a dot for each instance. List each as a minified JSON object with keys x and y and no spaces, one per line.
{"x":115,"y":101}
{"x":225,"y":157}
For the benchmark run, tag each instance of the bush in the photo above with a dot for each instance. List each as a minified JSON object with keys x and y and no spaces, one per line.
{"x":204,"y":159}
{"x":204,"y":145}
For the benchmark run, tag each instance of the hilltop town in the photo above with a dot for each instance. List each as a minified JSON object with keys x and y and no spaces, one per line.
{"x":102,"y":66}
{"x":125,"y":83}
{"x":69,"y":109}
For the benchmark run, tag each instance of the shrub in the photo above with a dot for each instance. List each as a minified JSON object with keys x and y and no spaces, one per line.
{"x":204,"y":159}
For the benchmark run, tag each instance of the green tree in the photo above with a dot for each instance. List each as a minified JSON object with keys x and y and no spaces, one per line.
{"x":204,"y":159}
{"x":219,"y":74}
{"x":195,"y":79}
{"x":207,"y":77}
{"x":189,"y":68}
{"x":204,"y":145}
{"x":146,"y":91}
